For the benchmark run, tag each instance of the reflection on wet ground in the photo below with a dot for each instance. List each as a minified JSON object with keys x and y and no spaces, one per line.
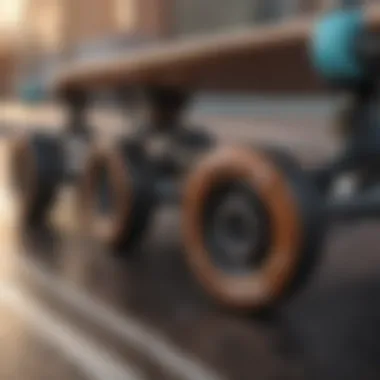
{"x":25,"y":356}
{"x":329,"y":330}
{"x":156,"y":289}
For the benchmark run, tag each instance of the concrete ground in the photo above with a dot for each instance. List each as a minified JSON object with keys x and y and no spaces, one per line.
{"x":69,"y":310}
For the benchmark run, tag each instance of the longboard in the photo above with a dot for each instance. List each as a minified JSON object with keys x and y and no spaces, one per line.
{"x":272,"y":58}
{"x":283,"y":212}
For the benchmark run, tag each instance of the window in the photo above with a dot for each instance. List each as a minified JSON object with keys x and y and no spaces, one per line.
{"x":126,"y":14}
{"x":10,"y":13}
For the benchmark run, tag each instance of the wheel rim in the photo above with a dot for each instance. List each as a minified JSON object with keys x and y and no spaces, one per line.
{"x":106,"y":195}
{"x":104,"y":207}
{"x":236,"y":227}
{"x":103,"y":193}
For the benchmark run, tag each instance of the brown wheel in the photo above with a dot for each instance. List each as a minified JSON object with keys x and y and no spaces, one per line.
{"x":36,"y":172}
{"x":250,"y":223}
{"x":116,"y":197}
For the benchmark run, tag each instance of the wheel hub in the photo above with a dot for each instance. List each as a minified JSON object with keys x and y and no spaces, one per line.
{"x":236,"y":228}
{"x":104,"y":204}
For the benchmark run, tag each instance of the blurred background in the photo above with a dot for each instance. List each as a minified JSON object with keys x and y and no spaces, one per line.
{"x":38,"y":35}
{"x":329,"y":331}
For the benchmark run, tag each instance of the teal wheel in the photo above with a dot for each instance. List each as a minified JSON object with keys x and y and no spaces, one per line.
{"x":334,"y":47}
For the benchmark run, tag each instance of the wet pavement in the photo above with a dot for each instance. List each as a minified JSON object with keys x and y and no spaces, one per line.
{"x":23,"y":352}
{"x":70,"y":310}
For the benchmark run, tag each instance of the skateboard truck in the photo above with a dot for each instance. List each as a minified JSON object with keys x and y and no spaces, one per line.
{"x":76,"y":102}
{"x":160,"y":108}
{"x":351,"y":61}
{"x":77,"y":139}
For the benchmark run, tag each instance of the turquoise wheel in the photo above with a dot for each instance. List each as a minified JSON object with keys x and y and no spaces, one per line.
{"x":334,"y":46}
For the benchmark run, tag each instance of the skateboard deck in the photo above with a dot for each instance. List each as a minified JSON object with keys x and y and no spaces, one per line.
{"x":260,"y":59}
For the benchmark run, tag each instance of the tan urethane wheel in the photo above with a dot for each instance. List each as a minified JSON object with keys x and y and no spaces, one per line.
{"x":115,"y":198}
{"x":36,"y":170}
{"x":23,"y":175}
{"x":243,"y":231}
{"x":105,"y":194}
